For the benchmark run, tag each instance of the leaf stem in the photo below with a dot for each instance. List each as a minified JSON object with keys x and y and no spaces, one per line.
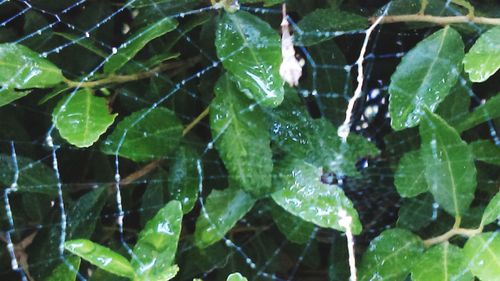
{"x":438,"y":19}
{"x":196,"y":120}
{"x":456,"y":230}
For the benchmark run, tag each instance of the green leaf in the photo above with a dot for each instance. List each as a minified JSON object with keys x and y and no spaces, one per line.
{"x":410,"y":175}
{"x":183,"y":178}
{"x":100,"y":256}
{"x":266,"y":3}
{"x":240,"y":132}
{"x":441,"y":262}
{"x":424,"y":77}
{"x":304,"y":195}
{"x":9,"y":95}
{"x":86,"y":43}
{"x":137,"y":41}
{"x":294,"y":228}
{"x":250,"y":50}
{"x":416,"y":213}
{"x":457,"y":103}
{"x":391,"y":255}
{"x":236,"y":277}
{"x":145,"y":135}
{"x":483,"y":254}
{"x":449,"y":170}
{"x":222,"y":210}
{"x":82,"y":118}
{"x":34,"y":176}
{"x":486,"y":151}
{"x":324,"y":24}
{"x":63,"y":272}
{"x":483,"y":59}
{"x":492,"y":211}
{"x":484,"y":112}
{"x":154,"y":198}
{"x":157,"y":244}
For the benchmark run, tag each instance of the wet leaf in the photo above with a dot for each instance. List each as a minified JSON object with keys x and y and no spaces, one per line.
{"x":240,"y":131}
{"x":483,"y":59}
{"x":154,"y":198}
{"x":100,"y":256}
{"x":441,"y":262}
{"x":302,"y":194}
{"x":410,"y":175}
{"x":183,"y":178}
{"x":457,"y":103}
{"x":145,"y":135}
{"x":324,"y":24}
{"x":450,"y":171}
{"x":65,"y":273}
{"x":484,"y":112}
{"x":492,"y":211}
{"x":391,"y":255}
{"x":82,"y":118}
{"x":483,"y":255}
{"x":236,"y":277}
{"x":222,"y":210}
{"x":251,"y":51}
{"x":424,"y":77}
{"x":416,"y":213}
{"x":486,"y":151}
{"x":137,"y":41}
{"x":294,"y":228}
{"x":157,"y":244}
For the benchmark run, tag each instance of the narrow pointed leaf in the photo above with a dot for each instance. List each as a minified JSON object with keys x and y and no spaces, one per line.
{"x":145,"y":135}
{"x":137,"y":41}
{"x":304,"y":195}
{"x":222,"y":210}
{"x":157,"y":244}
{"x":236,"y":277}
{"x":391,"y":255}
{"x":240,"y":132}
{"x":65,"y":273}
{"x":424,"y":77}
{"x":486,"y":151}
{"x":450,"y":171}
{"x":251,"y":51}
{"x":82,"y":118}
{"x":492,"y":211}
{"x":410,"y":175}
{"x":484,"y":112}
{"x":100,"y":256}
{"x":9,"y":95}
{"x":183,"y":178}
{"x":483,"y":59}
{"x":441,"y":262}
{"x":483,"y":255}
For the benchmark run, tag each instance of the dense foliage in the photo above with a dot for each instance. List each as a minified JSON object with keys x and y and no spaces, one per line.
{"x":158,"y":140}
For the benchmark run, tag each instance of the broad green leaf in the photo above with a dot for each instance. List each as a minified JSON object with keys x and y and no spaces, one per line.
{"x":183,"y":178}
{"x":22,"y":68}
{"x":424,"y":77}
{"x":391,"y":255}
{"x":483,"y":255}
{"x":324,"y":24}
{"x":483,"y":59}
{"x":144,"y":135}
{"x":294,"y":228}
{"x":157,"y":244}
{"x":457,"y":103}
{"x":302,"y":194}
{"x":416,"y":212}
{"x":100,"y":256}
{"x":250,"y":50}
{"x":449,"y":164}
{"x":240,"y":132}
{"x":222,"y":210}
{"x":9,"y":95}
{"x":410,"y":177}
{"x":486,"y":151}
{"x":441,"y":262}
{"x":492,"y":211}
{"x":34,"y":176}
{"x":137,"y":41}
{"x":484,"y":112}
{"x":236,"y":277}
{"x":84,"y":214}
{"x":154,"y":198}
{"x":63,"y":272}
{"x":82,"y":118}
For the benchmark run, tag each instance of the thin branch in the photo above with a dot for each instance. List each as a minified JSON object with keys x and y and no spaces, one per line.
{"x":452,"y":232}
{"x":438,"y":20}
{"x":196,"y":120}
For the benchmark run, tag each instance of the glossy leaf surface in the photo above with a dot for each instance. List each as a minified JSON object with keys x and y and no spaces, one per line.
{"x":82,"y":118}
{"x":424,"y":77}
{"x":483,"y":59}
{"x":100,"y":256}
{"x":183,"y":178}
{"x":222,"y":210}
{"x":450,"y":171}
{"x":251,"y":51}
{"x":410,"y":175}
{"x":483,"y":254}
{"x":236,"y":277}
{"x":145,"y":135}
{"x":65,"y":273}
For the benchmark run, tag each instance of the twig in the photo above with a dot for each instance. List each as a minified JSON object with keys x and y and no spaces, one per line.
{"x":437,"y":19}
{"x":456,"y":230}
{"x":196,"y":120}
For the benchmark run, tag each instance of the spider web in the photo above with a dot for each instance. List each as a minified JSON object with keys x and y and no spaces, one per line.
{"x":259,"y":251}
